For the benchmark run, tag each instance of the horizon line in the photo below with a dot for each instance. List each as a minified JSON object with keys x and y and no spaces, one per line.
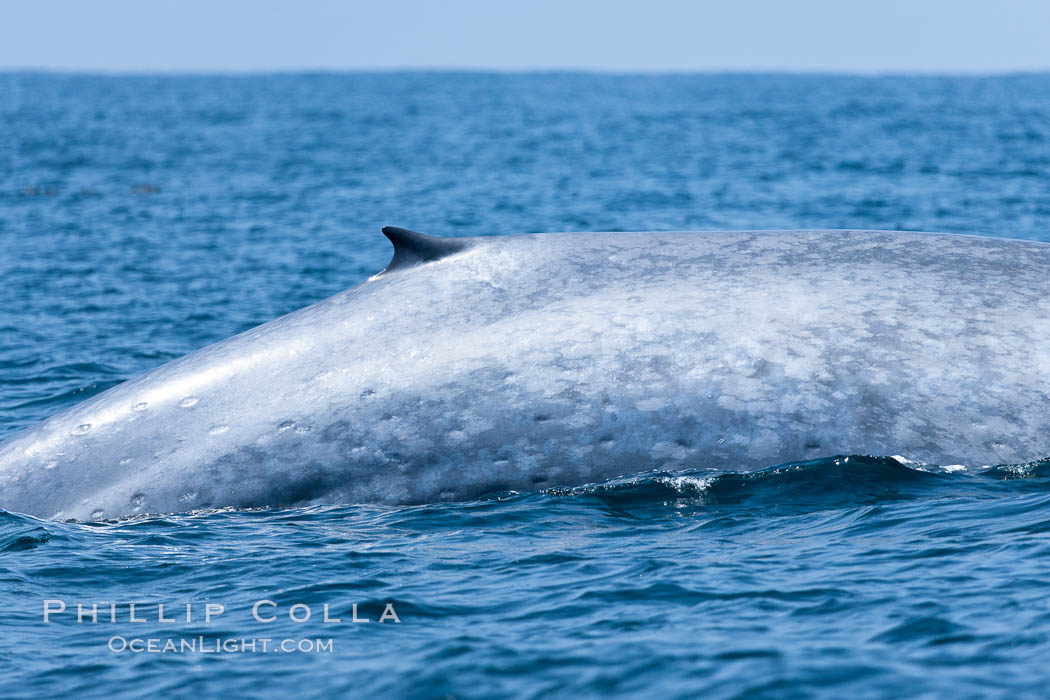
{"x":626,"y":72}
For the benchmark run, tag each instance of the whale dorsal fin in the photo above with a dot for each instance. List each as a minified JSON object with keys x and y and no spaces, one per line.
{"x":411,"y":248}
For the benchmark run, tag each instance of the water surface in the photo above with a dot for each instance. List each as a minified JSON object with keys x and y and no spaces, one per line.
{"x":144,"y":217}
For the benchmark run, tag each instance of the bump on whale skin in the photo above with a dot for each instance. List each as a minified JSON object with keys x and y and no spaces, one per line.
{"x":484,"y":364}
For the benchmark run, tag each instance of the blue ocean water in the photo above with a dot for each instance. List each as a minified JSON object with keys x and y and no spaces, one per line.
{"x":144,"y":217}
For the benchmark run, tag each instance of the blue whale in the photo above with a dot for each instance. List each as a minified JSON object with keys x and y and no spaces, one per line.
{"x":475,"y":365}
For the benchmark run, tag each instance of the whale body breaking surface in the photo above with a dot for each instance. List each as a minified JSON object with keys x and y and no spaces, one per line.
{"x":477,"y":365}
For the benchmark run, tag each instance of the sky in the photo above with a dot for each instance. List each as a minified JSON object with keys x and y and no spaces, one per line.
{"x":865,"y":36}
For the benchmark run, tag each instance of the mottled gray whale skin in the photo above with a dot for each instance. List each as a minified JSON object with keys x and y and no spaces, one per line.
{"x":483,"y":364}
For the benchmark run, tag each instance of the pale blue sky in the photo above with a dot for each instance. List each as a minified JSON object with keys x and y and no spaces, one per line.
{"x":612,"y":35}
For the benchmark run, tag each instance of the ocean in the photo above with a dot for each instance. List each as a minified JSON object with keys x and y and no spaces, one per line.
{"x":143,"y":217}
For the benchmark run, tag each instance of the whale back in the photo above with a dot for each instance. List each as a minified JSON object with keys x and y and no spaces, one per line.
{"x":543,"y":360}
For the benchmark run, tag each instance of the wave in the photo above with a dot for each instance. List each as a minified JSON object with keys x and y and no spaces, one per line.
{"x":831,"y":482}
{"x":840,"y":480}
